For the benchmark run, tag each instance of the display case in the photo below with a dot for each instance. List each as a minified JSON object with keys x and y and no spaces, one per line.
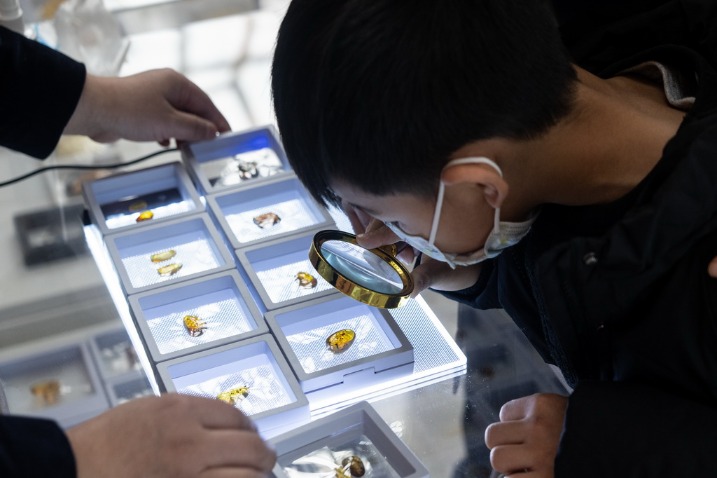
{"x":275,"y":209}
{"x":196,"y":315}
{"x":61,"y":383}
{"x":281,"y":272}
{"x":114,"y":353}
{"x":165,"y":253}
{"x":236,"y":159}
{"x":337,"y":344}
{"x":251,"y":375}
{"x":130,"y":200}
{"x":128,"y":387}
{"x":350,"y":443}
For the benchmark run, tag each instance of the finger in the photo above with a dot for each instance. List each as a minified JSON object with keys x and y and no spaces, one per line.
{"x":505,"y":433}
{"x":232,"y":473}
{"x":527,"y":474}
{"x":712,"y":268}
{"x":427,"y":273}
{"x":509,"y":459}
{"x":192,"y":99}
{"x":351,"y":213}
{"x":514,"y":409}
{"x":236,"y":448}
{"x":378,"y":236}
{"x":215,"y":414}
{"x":191,"y":127}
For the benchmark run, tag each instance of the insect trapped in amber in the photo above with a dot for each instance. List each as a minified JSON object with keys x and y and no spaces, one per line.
{"x":194,"y":325}
{"x":163,"y":256}
{"x":233,"y":395}
{"x":354,"y":465}
{"x":48,"y":391}
{"x":170,"y":269}
{"x":145,"y":216}
{"x":268,"y":219}
{"x":341,"y":340}
{"x":306,"y":280}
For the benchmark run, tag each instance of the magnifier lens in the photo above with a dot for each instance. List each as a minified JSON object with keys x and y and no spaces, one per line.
{"x":362,"y":267}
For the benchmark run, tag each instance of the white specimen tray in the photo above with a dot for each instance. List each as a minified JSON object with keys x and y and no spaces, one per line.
{"x":114,"y":203}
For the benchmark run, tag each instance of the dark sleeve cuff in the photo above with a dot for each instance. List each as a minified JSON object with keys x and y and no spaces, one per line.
{"x":631,"y":431}
{"x":32,"y":447}
{"x":39,"y":90}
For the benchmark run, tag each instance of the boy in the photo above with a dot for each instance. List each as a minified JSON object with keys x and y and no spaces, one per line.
{"x":582,"y":202}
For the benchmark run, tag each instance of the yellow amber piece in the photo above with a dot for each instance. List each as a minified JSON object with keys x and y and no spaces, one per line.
{"x":355,"y":465}
{"x":232,"y":396}
{"x":194,"y":325}
{"x":341,"y":340}
{"x":267,"y":219}
{"x":306,"y":280}
{"x":145,"y":216}
{"x":163,"y":256}
{"x":170,"y":269}
{"x":48,"y":391}
{"x":138,"y":206}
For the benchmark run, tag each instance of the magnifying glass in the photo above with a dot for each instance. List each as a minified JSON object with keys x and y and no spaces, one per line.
{"x":372,"y":276}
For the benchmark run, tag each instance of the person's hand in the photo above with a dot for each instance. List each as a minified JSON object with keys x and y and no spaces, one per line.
{"x":524,"y":443}
{"x":156,"y":105}
{"x":172,"y":436}
{"x":712,"y":268}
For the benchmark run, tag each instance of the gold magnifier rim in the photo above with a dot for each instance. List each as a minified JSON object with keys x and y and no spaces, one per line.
{"x":347,"y":286}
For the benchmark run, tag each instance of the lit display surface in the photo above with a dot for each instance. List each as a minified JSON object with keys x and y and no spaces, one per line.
{"x":118,"y":220}
{"x":280,"y":280}
{"x":294,"y":214}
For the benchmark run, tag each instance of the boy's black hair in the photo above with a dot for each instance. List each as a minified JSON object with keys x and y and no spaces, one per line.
{"x":380,"y":93}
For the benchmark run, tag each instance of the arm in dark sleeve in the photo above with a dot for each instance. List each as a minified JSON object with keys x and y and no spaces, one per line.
{"x":33,"y":447}
{"x":631,"y":431}
{"x":39,"y":90}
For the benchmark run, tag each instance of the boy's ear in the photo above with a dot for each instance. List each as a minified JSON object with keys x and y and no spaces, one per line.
{"x":495,"y":188}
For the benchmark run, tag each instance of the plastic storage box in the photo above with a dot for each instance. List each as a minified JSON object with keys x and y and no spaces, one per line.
{"x":325,"y":445}
{"x":236,"y":159}
{"x":137,"y":198}
{"x":271,"y":210}
{"x":378,"y":351}
{"x":61,"y":384}
{"x":281,"y":273}
{"x":251,"y":374}
{"x":127,"y":387}
{"x":196,"y":315}
{"x":114,"y":353}
{"x":170,"y":252}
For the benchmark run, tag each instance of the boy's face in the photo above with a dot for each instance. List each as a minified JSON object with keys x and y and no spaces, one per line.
{"x":465,"y":222}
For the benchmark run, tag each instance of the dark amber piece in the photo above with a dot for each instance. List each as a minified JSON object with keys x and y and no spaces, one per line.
{"x":268,"y":219}
{"x":163,"y":256}
{"x":341,"y":340}
{"x":354,"y":465}
{"x":194,"y":325}
{"x":232,"y":396}
{"x":137,"y":206}
{"x":306,"y":280}
{"x":170,"y":269}
{"x":48,"y":391}
{"x":145,"y":216}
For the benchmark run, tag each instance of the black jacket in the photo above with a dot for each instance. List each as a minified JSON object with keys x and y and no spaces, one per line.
{"x":619,"y":298}
{"x":39,"y":89}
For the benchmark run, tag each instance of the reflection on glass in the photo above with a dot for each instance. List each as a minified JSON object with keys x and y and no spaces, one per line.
{"x":362,"y":267}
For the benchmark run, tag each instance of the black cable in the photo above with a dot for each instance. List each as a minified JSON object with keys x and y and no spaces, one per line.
{"x":85,"y":166}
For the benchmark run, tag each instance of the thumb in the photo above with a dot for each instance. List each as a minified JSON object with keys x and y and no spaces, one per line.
{"x":712,"y":268}
{"x":377,"y":234}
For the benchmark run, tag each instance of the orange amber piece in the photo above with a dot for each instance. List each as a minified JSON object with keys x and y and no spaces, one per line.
{"x":170,"y":269}
{"x":267,"y":219}
{"x":194,"y":325}
{"x":341,"y":340}
{"x":145,"y":216}
{"x":163,"y":256}
{"x":306,"y":280}
{"x":47,"y":391}
{"x":232,"y":396}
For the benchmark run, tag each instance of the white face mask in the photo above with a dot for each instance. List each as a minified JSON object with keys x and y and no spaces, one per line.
{"x":502,"y":236}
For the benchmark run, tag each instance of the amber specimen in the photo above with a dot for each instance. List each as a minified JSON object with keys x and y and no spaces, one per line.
{"x":145,"y":216}
{"x":163,"y":256}
{"x":233,"y":395}
{"x":306,"y":280}
{"x":354,"y":465}
{"x":137,"y":206}
{"x":194,"y":325}
{"x":170,"y":269}
{"x":47,"y":391}
{"x":268,"y":219}
{"x":341,"y":340}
